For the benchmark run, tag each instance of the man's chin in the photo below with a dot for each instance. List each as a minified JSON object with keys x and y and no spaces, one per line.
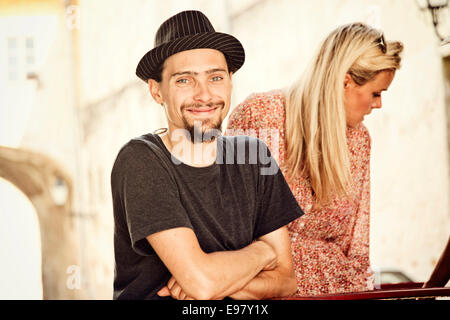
{"x":204,"y":134}
{"x":211,"y":134}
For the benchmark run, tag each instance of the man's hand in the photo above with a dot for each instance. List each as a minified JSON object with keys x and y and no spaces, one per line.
{"x":173,"y":289}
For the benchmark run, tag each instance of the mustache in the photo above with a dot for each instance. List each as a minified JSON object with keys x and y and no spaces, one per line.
{"x":219,"y":103}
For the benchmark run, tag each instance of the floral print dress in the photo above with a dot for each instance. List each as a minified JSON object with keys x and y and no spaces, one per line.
{"x":330,"y":244}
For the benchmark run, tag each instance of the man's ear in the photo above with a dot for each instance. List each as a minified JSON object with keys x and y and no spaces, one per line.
{"x":155,"y":90}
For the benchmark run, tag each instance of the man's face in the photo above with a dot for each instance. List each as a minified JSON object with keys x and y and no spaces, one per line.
{"x":195,"y":88}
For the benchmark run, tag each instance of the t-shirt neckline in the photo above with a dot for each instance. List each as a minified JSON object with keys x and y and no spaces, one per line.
{"x":180,"y":163}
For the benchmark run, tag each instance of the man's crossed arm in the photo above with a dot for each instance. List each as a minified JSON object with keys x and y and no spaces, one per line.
{"x":261,"y":270}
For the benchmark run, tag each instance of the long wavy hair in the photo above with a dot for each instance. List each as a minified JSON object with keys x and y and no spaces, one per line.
{"x":315,"y":106}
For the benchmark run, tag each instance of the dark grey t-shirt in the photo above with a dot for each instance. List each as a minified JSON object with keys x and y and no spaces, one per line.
{"x":228,"y":205}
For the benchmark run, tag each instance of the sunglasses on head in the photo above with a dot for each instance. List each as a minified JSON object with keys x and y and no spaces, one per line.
{"x":381,"y":43}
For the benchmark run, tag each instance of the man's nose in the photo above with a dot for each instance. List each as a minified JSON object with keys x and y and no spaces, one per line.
{"x":202,"y":92}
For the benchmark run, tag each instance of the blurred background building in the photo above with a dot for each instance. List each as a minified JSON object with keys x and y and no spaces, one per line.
{"x":69,"y":99}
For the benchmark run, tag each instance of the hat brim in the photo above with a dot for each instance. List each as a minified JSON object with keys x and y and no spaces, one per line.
{"x":149,"y":65}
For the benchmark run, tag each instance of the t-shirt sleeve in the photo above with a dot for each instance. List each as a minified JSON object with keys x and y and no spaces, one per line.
{"x":277,"y":205}
{"x":148,"y":195}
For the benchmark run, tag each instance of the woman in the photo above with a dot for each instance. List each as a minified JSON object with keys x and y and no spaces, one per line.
{"x":323,"y":149}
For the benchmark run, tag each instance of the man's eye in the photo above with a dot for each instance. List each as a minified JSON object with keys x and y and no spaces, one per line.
{"x":375,"y":95}
{"x":183,"y":81}
{"x":216,"y":78}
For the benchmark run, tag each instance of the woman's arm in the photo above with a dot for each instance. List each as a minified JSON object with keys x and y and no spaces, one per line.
{"x":358,"y":251}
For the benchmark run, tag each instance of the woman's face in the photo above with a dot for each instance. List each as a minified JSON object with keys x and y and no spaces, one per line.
{"x":360,"y":100}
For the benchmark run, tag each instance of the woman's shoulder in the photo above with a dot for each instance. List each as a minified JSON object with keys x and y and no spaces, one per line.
{"x":261,"y":109}
{"x":268,"y":100}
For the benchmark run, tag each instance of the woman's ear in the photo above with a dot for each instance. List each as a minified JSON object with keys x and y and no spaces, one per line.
{"x":348,"y":81}
{"x":155,"y":90}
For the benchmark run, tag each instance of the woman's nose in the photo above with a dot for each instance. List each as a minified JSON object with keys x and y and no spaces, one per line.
{"x":377,"y":104}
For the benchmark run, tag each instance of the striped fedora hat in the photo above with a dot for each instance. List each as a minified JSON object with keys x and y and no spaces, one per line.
{"x":188,"y":30}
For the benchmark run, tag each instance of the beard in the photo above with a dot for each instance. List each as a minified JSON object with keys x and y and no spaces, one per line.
{"x":205,"y":130}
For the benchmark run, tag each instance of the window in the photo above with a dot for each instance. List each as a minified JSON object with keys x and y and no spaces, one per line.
{"x":30,"y":55}
{"x":21,"y":57}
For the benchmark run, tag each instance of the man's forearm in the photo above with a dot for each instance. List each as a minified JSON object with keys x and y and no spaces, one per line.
{"x":235,"y":269}
{"x":214,"y":275}
{"x":226,"y":272}
{"x":279,"y":282}
{"x":268,"y":284}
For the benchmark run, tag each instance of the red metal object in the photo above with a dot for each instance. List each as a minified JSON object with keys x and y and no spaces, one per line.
{"x":407,"y":290}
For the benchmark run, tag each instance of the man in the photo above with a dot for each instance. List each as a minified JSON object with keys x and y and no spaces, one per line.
{"x":193,"y":218}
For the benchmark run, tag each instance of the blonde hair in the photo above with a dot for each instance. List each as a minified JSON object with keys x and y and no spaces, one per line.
{"x":315,"y":108}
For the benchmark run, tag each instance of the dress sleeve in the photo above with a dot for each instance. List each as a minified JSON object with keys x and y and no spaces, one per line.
{"x":359,"y":247}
